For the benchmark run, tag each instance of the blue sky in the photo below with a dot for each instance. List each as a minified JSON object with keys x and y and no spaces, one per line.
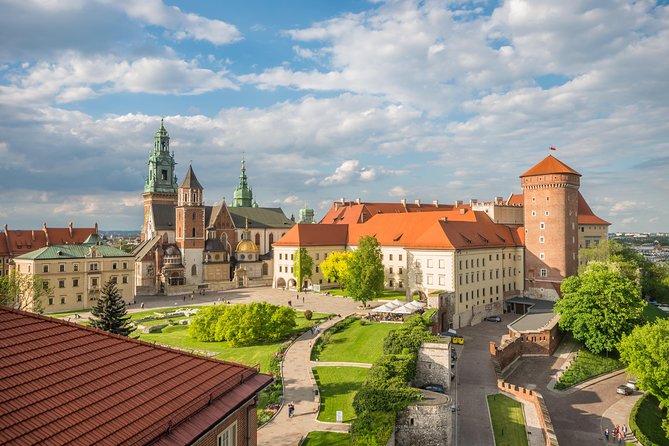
{"x":429,"y":100}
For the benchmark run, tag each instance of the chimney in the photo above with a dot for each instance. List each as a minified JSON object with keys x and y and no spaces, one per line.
{"x":403,"y":202}
{"x":444,"y":219}
{"x":46,"y":234}
{"x":96,"y":228}
{"x":336,"y":205}
{"x":473,"y":201}
{"x":435,"y":203}
{"x":458,"y":203}
{"x":462,"y":211}
{"x":417,"y":202}
{"x":32,"y":233}
{"x":498,"y":200}
{"x":341,"y":200}
{"x":357,"y":200}
{"x":69,"y":226}
{"x":6,"y":231}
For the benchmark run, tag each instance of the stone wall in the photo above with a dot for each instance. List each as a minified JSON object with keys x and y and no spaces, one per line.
{"x":476,"y":314}
{"x":433,"y":365}
{"x":508,"y":352}
{"x":425,"y":425}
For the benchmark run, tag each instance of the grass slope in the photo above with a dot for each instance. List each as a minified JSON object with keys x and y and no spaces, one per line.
{"x":508,"y":420}
{"x":357,"y":343}
{"x":338,"y":386}
{"x":586,"y":366}
{"x":317,"y":438}
{"x":651,"y":312}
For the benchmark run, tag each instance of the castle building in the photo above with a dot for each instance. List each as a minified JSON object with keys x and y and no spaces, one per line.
{"x":475,"y":256}
{"x":189,"y":245}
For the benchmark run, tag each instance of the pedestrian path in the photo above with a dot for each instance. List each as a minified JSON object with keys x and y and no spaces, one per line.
{"x":618,"y":415}
{"x":299,"y":388}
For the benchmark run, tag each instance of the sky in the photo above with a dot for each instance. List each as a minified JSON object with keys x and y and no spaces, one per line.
{"x":377,"y":100}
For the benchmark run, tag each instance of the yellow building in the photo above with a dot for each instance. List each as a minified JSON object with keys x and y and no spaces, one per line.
{"x":77,"y":273}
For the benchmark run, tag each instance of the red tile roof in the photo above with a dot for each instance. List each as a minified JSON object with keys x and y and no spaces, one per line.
{"x":61,"y":383}
{"x":550,"y":164}
{"x":351,"y":212}
{"x":515,"y":200}
{"x":585,"y":214}
{"x":14,"y":242}
{"x":455,"y":229}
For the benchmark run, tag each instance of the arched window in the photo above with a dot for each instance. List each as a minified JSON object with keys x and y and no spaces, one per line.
{"x":193,"y":270}
{"x":271,"y":239}
{"x":258,"y":239}
{"x":265,"y":269}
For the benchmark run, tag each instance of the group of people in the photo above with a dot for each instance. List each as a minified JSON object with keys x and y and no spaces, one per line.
{"x":618,"y":433}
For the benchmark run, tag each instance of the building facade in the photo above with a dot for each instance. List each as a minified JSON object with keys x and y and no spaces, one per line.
{"x":77,"y":273}
{"x":188,"y":245}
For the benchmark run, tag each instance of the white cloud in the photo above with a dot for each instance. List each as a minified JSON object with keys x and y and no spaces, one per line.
{"x":398,"y":191}
{"x":343,"y":174}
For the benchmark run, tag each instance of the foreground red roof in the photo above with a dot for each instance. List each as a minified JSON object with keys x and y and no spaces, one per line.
{"x":550,"y":164}
{"x":61,"y":383}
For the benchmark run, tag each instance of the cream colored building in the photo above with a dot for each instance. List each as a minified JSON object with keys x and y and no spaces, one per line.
{"x":77,"y":273}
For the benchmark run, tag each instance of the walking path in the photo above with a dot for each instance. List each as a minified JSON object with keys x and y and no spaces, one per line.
{"x":299,"y":388}
{"x":618,"y":415}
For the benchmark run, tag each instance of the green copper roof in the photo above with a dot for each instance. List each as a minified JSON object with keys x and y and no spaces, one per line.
{"x":242,"y":197}
{"x":161,"y":177}
{"x":72,"y":252}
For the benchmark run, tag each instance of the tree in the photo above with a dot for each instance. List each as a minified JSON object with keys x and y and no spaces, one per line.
{"x":110,"y":313}
{"x":599,"y":306}
{"x":337,"y":266}
{"x":646,"y":352}
{"x":303,"y":266}
{"x":366,"y":277}
{"x":23,"y":291}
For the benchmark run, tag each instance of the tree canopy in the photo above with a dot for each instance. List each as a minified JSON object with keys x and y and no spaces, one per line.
{"x":243,"y":325}
{"x":646,"y":352}
{"x":336,"y":267}
{"x":599,"y":306}
{"x":23,"y":291}
{"x":303,"y":265}
{"x":110,"y":313}
{"x":366,"y":277}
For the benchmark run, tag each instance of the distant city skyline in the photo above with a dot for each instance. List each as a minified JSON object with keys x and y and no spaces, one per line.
{"x":376,"y":100}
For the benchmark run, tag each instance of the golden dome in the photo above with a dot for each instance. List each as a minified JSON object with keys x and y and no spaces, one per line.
{"x":247,"y":246}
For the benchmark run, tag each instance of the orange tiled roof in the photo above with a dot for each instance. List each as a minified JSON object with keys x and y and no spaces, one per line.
{"x":550,"y":164}
{"x":62,"y":383}
{"x":515,"y":200}
{"x":306,"y":234}
{"x":352,"y":212}
{"x":585,"y":214}
{"x":15,"y":242}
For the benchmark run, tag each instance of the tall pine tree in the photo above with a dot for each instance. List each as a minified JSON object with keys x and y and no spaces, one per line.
{"x":109,"y":313}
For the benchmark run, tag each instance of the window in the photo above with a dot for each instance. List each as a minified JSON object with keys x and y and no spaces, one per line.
{"x":228,"y":437}
{"x":280,"y":256}
{"x":51,"y":301}
{"x":114,"y":280}
{"x":125,"y":265}
{"x":61,"y":283}
{"x":544,"y":272}
{"x":75,"y":267}
{"x":62,"y":300}
{"x":442,"y":280}
{"x":541,"y":239}
{"x":318,"y":271}
{"x":318,"y":256}
{"x":534,"y":213}
{"x":400,"y":257}
{"x":390,"y":256}
{"x":193,"y":232}
{"x":442,"y":263}
{"x":124,"y":279}
{"x":399,"y":270}
{"x":390,"y":270}
{"x":114,"y":265}
{"x":257,"y":239}
{"x":542,"y":255}
{"x":45,"y":285}
{"x":546,"y":213}
{"x":94,"y":281}
{"x":79,"y":298}
{"x":542,"y":225}
{"x":61,"y":268}
{"x":292,"y":257}
{"x":75,"y":283}
{"x":193,"y":270}
{"x":429,"y":279}
{"x":400,"y":284}
{"x":93,"y":267}
{"x":271,"y":239}
{"x":45,"y":268}
{"x":390,"y":283}
{"x":163,"y":174}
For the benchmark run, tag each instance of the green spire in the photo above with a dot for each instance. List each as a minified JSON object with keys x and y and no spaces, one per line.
{"x":161,"y":177}
{"x":243,"y":195}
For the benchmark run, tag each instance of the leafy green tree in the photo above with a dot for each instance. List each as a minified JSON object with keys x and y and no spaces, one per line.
{"x":110,"y":313}
{"x":23,"y":291}
{"x":599,"y":306}
{"x":336,"y":267}
{"x":303,"y":265}
{"x":365,"y":279}
{"x":646,"y":352}
{"x":203,"y":325}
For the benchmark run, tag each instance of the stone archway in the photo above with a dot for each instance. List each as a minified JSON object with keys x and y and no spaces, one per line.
{"x":292,"y":283}
{"x":419,"y":296}
{"x":280,"y":282}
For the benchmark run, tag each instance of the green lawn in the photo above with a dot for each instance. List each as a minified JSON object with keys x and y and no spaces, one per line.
{"x":648,"y":418}
{"x":586,"y":366}
{"x":651,"y":312}
{"x":338,"y":386}
{"x":385,"y":295}
{"x":317,"y":438}
{"x":177,"y":336}
{"x":357,"y":343}
{"x":508,"y":420}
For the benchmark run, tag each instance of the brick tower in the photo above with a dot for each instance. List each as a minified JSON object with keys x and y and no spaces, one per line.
{"x":160,"y":187}
{"x":190,"y":226}
{"x":550,"y":194}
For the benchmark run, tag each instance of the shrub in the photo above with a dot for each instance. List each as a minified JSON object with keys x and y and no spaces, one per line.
{"x":647,"y":413}
{"x":308,"y":314}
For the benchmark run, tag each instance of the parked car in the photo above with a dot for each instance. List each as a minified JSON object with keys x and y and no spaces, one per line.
{"x":455,"y":338}
{"x":434,"y":388}
{"x":624,"y":390}
{"x":632,"y":384}
{"x":493,"y":318}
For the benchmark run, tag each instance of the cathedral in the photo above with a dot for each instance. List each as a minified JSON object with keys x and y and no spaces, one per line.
{"x":188,"y":246}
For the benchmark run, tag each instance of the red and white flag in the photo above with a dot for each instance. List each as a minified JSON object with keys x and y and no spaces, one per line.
{"x":552,"y":148}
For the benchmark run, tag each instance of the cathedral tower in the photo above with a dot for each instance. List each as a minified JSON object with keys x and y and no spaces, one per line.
{"x":160,"y":186}
{"x":550,"y":194}
{"x":242,"y":197}
{"x":190,"y":224}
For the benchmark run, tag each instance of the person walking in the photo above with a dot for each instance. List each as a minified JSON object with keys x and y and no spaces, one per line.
{"x":624,"y":431}
{"x":291,"y":409}
{"x":606,"y":434}
{"x":141,"y":305}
